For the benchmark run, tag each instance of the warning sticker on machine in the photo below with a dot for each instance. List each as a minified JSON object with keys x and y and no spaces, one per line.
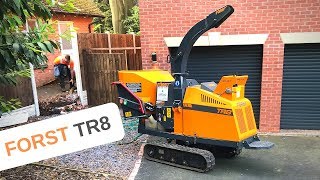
{"x":134,"y":87}
{"x":162,"y":91}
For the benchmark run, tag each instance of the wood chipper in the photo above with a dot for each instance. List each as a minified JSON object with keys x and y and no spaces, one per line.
{"x":198,"y":120}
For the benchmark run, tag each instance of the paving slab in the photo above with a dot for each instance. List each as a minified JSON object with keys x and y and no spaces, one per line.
{"x":291,"y":158}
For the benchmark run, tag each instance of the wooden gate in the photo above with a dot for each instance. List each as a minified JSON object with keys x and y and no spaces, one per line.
{"x":101,"y":70}
{"x":127,"y":44}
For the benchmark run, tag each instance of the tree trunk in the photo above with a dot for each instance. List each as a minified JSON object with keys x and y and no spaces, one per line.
{"x":120,"y":10}
{"x":117,"y":15}
{"x":128,"y":5}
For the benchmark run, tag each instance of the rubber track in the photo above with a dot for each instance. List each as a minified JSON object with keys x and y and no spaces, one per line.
{"x":207,"y":155}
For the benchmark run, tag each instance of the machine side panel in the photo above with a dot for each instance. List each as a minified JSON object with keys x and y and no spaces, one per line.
{"x":206,"y":115}
{"x":210,"y":116}
{"x":209,"y":125}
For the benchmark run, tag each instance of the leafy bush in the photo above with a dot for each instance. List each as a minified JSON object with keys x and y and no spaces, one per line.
{"x":132,"y":23}
{"x":18,"y":48}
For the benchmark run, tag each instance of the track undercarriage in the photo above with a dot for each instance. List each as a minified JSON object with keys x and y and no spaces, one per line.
{"x":196,"y":157}
{"x":180,"y":156}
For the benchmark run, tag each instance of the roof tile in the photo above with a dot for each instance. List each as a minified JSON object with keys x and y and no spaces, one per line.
{"x":83,"y":7}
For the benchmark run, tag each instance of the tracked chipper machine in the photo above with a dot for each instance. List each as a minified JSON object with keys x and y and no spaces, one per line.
{"x":199,"y":119}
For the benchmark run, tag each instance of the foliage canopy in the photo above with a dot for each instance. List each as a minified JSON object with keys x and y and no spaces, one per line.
{"x":19,"y":47}
{"x":121,"y":16}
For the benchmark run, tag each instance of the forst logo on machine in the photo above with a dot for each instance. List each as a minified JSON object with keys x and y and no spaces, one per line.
{"x":187,"y":105}
{"x":220,"y":10}
{"x":224,"y":111}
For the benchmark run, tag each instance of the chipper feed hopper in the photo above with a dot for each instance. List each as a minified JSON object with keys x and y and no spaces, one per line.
{"x":198,"y":120}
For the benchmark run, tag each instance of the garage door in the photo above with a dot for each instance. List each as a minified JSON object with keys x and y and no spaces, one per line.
{"x":211,"y":63}
{"x":300,"y":108}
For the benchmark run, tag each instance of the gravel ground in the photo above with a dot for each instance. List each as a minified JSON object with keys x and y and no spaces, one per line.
{"x":110,"y":161}
{"x":43,"y":172}
{"x":49,"y":90}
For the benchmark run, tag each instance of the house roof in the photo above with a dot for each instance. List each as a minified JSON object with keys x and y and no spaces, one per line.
{"x":83,"y":7}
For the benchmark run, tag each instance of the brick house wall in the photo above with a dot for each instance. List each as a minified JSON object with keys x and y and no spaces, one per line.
{"x":173,"y":18}
{"x":81,"y":24}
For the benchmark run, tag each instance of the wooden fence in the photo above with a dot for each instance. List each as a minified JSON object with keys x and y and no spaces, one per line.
{"x":128,"y":44}
{"x":22,"y":91}
{"x":101,"y":71}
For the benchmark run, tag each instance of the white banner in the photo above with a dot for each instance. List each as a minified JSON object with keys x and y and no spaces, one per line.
{"x":60,"y":135}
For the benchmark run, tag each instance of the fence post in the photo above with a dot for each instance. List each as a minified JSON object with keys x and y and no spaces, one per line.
{"x":109,"y":43}
{"x":85,"y":61}
{"x":134,"y":42}
{"x":34,"y":91}
{"x":77,"y":70}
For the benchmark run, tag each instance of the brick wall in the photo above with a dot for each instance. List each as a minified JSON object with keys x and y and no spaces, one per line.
{"x":80,"y":23}
{"x":170,"y":18}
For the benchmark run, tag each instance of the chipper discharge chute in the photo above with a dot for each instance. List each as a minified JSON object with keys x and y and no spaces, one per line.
{"x":202,"y":119}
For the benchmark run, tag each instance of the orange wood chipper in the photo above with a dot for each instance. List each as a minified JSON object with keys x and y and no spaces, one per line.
{"x":199,"y":120}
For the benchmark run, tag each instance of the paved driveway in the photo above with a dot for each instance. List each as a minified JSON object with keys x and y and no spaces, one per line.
{"x":291,"y":158}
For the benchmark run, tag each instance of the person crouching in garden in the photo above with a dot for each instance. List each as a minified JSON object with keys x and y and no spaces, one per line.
{"x":66,"y":72}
